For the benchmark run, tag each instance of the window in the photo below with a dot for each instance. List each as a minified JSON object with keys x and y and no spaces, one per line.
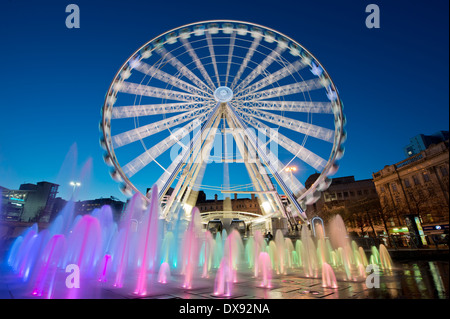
{"x":444,"y":170}
{"x":426,"y":177}
{"x":352,"y":194}
{"x":366,"y":192}
{"x":394,"y":187}
{"x":416,"y":180}
{"x":345,"y":194}
{"x":382,"y":188}
{"x":339,"y":195}
{"x":407,"y":184}
{"x":359,"y":193}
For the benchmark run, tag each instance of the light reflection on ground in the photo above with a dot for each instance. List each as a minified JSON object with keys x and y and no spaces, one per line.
{"x":409,"y":280}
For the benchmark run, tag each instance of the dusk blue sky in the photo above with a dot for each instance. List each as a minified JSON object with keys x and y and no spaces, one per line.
{"x":393,"y":81}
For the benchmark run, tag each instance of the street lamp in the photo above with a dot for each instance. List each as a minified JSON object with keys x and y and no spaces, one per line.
{"x":291,"y":169}
{"x":75,"y":185}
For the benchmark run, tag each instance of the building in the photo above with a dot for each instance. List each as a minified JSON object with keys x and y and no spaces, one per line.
{"x":355,"y":200}
{"x":421,"y":142}
{"x":30,"y":203}
{"x":416,"y":189}
{"x":87,"y":206}
{"x":250,"y":205}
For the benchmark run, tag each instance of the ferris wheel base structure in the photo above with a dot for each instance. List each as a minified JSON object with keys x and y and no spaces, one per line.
{"x":230,"y":77}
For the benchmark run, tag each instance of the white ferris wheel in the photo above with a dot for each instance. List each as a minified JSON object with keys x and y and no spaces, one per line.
{"x":182,"y":89}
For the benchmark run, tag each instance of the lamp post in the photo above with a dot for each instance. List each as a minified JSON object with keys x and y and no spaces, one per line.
{"x":291,"y":169}
{"x":75,"y":185}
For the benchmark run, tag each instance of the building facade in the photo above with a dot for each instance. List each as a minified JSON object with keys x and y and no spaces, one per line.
{"x":355,"y":200}
{"x":416,"y":187}
{"x":87,"y":206}
{"x":250,"y":205}
{"x":30,"y":203}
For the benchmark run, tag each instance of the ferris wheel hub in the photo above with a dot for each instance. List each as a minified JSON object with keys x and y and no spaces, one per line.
{"x":223,"y":94}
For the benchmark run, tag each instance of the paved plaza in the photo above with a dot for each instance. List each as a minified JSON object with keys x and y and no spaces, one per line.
{"x":412,"y":280}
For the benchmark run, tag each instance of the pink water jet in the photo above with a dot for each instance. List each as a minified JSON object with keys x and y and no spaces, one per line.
{"x":48,"y":265}
{"x":104,"y":268}
{"x":149,"y":242}
{"x":223,"y":284}
{"x":328,"y":277}
{"x":84,"y":244}
{"x":265,"y":269}
{"x":164,"y":273}
{"x":191,"y":249}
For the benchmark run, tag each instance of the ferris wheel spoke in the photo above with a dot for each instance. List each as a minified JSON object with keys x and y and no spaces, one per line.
{"x":121,"y":112}
{"x":260,"y":68}
{"x":167,"y":78}
{"x":246,"y":60}
{"x":182,"y":69}
{"x":291,"y":181}
{"x":273,"y":77}
{"x":310,"y":158}
{"x":288,"y":89}
{"x":230,"y":55}
{"x":150,"y":91}
{"x":312,"y":130}
{"x":169,"y":171}
{"x":291,"y":106}
{"x":212,"y":55}
{"x":197,"y":62}
{"x":138,"y":133}
{"x":154,"y":152}
{"x":272,"y":161}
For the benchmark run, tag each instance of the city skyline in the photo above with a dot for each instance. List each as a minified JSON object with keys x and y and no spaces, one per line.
{"x":393,"y":81}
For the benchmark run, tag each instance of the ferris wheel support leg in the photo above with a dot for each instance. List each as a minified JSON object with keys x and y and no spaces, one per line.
{"x":250,"y":162}
{"x":255,"y":168}
{"x":287,"y":191}
{"x":189,"y":190}
{"x":187,"y":153}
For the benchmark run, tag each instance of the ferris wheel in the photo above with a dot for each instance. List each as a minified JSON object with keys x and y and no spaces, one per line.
{"x":258,"y":85}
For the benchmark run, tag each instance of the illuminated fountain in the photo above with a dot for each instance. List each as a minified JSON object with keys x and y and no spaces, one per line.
{"x":137,"y":257}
